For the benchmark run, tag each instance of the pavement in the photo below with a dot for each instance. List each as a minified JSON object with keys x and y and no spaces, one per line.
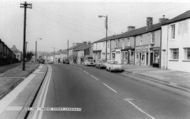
{"x":173,"y":78}
{"x":7,"y":67}
{"x":13,"y":76}
{"x":16,"y":103}
{"x":80,"y":92}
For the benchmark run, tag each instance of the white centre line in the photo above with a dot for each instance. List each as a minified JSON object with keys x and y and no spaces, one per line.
{"x":130,"y":101}
{"x":94,"y":77}
{"x":110,"y":88}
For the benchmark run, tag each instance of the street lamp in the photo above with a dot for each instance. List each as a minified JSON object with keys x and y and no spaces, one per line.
{"x":36,"y":46}
{"x":106,"y":26}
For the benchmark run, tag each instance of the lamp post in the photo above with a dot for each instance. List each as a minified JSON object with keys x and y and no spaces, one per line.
{"x":106,"y":26}
{"x":36,"y":48}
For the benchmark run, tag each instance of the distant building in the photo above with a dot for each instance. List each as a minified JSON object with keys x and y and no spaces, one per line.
{"x":78,"y":51}
{"x":17,"y":53}
{"x":82,"y":51}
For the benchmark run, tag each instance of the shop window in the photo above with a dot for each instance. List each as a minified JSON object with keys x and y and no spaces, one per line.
{"x":174,"y":53}
{"x":187,"y":53}
{"x":173,"y":31}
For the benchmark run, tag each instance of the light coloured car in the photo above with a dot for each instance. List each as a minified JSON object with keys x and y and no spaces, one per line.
{"x":89,"y":61}
{"x":113,"y":66}
{"x":100,"y":64}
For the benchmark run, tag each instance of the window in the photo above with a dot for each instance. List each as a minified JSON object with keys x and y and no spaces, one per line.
{"x":128,"y":42}
{"x":187,"y":53}
{"x":173,"y":31}
{"x":153,"y":37}
{"x":140,"y":41}
{"x":174,"y":53}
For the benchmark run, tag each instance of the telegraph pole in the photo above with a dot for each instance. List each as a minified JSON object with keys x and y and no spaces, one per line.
{"x":24,"y":5}
{"x":106,"y":25}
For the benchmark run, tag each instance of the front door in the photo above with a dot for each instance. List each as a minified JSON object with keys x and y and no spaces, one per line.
{"x":151,"y":58}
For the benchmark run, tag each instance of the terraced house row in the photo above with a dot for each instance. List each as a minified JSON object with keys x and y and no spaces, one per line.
{"x":165,"y":44}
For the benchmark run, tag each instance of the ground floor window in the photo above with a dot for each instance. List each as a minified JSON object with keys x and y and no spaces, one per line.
{"x":174,"y":53}
{"x":187,"y":53}
{"x":113,"y":55}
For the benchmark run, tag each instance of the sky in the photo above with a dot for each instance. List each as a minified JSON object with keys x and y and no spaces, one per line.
{"x":57,"y":21}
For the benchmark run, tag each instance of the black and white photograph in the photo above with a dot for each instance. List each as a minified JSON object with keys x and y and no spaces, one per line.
{"x":94,"y":59}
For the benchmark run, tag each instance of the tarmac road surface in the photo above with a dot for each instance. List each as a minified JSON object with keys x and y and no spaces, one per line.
{"x":73,"y":92}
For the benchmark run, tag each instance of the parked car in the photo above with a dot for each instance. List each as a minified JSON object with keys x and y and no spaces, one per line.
{"x":113,"y":66}
{"x":100,"y":64}
{"x":41,"y":61}
{"x":66,"y":61}
{"x":89,"y":61}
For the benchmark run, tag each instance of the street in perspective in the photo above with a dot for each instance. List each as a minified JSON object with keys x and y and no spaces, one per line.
{"x":95,"y":59}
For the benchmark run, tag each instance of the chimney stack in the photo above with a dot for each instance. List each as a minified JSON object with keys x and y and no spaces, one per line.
{"x":130,"y":28}
{"x":149,"y":22}
{"x":163,"y":19}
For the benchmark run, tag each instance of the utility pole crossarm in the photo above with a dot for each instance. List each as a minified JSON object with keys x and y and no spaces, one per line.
{"x":26,"y":5}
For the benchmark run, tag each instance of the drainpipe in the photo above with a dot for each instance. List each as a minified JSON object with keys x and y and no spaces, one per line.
{"x":167,"y":48}
{"x":134,"y":48}
{"x":160,"y":48}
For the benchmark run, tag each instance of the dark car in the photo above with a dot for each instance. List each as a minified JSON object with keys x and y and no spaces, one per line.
{"x":66,"y":61}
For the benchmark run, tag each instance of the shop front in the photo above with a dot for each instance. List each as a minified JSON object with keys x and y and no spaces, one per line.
{"x":142,"y":55}
{"x":128,"y":55}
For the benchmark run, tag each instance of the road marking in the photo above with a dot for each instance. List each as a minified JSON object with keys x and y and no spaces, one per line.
{"x":43,"y":93}
{"x":94,"y":77}
{"x":91,"y":75}
{"x":138,"y":108}
{"x":110,"y":88}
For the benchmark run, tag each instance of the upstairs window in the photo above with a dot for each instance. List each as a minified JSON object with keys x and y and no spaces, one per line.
{"x":187,"y":53}
{"x":173,"y":31}
{"x":153,"y":37}
{"x":174,"y":53}
{"x":140,"y":42}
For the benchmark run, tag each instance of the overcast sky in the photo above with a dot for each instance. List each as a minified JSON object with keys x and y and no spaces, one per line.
{"x":77,"y":20}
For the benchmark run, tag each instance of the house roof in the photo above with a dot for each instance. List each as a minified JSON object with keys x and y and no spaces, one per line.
{"x":14,"y":49}
{"x":141,"y":30}
{"x":180,"y":17}
{"x":83,"y":47}
{"x":135,"y":32}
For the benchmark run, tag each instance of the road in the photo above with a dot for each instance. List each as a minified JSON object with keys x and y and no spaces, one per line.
{"x":90,"y":93}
